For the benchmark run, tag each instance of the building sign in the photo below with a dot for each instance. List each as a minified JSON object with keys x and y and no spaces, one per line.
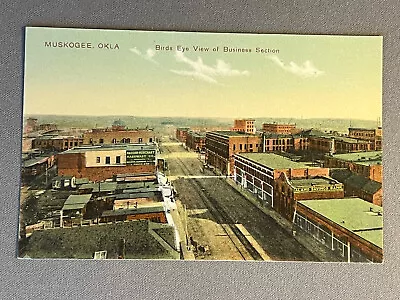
{"x":140,"y":157}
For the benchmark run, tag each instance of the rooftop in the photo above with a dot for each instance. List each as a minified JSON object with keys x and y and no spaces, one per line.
{"x":110,"y":147}
{"x":273,"y":161}
{"x":365,"y":158}
{"x":228,"y":133}
{"x":149,"y":208}
{"x":356,"y":181}
{"x":101,"y":186}
{"x":316,"y":181}
{"x":34,"y":161}
{"x":354,"y":214}
{"x":76,"y":201}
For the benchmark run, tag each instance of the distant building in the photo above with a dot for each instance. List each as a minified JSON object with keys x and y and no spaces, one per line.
{"x":259,"y":172}
{"x":56,"y":143}
{"x":98,"y":163}
{"x":47,"y":126}
{"x":181,"y":134}
{"x":154,"y":212}
{"x":222,"y":145}
{"x":118,"y":134}
{"x":31,"y":125}
{"x":351,"y":227}
{"x":283,"y":142}
{"x":367,"y":164}
{"x":280,"y":128}
{"x":244,"y":125}
{"x":369,"y":134}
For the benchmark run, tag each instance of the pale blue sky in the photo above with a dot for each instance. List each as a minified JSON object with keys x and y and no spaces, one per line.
{"x":310,"y":77}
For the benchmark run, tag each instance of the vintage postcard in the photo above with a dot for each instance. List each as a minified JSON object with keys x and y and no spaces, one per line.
{"x":201,"y":146}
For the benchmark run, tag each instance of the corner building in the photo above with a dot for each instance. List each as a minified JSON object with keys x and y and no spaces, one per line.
{"x":98,"y":163}
{"x":221,"y":146}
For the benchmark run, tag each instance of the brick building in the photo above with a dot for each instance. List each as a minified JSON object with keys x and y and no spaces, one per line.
{"x":367,"y":164}
{"x":338,"y":144}
{"x":351,"y":227}
{"x":56,"y":143}
{"x":117,"y":134}
{"x":222,"y":145}
{"x":284,"y":142}
{"x":359,"y":186}
{"x":288,"y":191}
{"x":369,"y":134}
{"x":280,"y":128}
{"x":196,"y":141}
{"x":258,"y":173}
{"x":244,"y":125}
{"x":181,"y":134}
{"x":98,"y":163}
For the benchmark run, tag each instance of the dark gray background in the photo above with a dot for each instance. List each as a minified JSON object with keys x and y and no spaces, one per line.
{"x":69,"y":279}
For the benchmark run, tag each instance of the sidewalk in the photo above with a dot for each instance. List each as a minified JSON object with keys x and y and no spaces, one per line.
{"x":322,"y":252}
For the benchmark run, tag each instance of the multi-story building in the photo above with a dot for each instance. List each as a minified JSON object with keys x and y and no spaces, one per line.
{"x":196,"y":141}
{"x":258,"y":172}
{"x":244,"y":125}
{"x":373,"y":135}
{"x":367,"y":164}
{"x":222,"y":145}
{"x":117,"y":135}
{"x":288,"y":191}
{"x":98,"y":163}
{"x":181,"y":134}
{"x":351,"y":227}
{"x":56,"y":143}
{"x":280,"y":128}
{"x":283,"y":142}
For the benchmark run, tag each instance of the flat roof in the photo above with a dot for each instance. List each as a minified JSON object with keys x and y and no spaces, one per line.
{"x":229,"y":133}
{"x":76,"y":201}
{"x":273,"y":161}
{"x":102,"y":186}
{"x":365,"y":158}
{"x":110,"y":147}
{"x":35,"y":161}
{"x":353,"y":214}
{"x":313,"y":181}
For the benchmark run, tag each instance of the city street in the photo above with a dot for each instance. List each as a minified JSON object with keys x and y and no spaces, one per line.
{"x":216,"y":216}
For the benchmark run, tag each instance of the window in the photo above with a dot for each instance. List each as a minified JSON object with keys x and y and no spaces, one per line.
{"x":101,"y":141}
{"x":128,"y":140}
{"x":65,"y":144}
{"x":114,"y":141}
{"x":140,"y":140}
{"x":118,"y":160}
{"x":234,"y":147}
{"x":251,"y":146}
{"x":98,"y":159}
{"x":240,"y":147}
{"x":75,"y":144}
{"x":108,"y":160}
{"x":150,"y":140}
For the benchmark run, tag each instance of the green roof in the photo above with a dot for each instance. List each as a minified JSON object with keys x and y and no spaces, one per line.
{"x":273,"y":161}
{"x":365,"y":158}
{"x":76,"y":201}
{"x":356,"y":181}
{"x":354,"y":214}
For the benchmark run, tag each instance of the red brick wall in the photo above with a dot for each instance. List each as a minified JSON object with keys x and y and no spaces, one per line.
{"x":149,"y":216}
{"x":74,"y":165}
{"x":108,"y":136}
